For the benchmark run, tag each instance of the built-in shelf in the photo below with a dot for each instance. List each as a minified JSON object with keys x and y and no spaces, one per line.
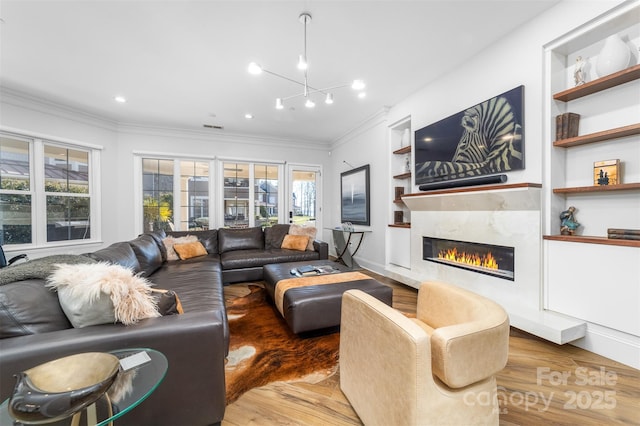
{"x":403,"y":176}
{"x":606,"y":82}
{"x":603,"y":188}
{"x":403,"y":150}
{"x":619,"y":132}
{"x":400,"y":225}
{"x":593,"y":240}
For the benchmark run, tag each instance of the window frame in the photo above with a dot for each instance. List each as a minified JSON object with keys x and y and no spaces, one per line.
{"x":38,"y":194}
{"x":139,"y":156}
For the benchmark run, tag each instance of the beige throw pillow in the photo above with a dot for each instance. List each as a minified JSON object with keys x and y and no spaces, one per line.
{"x":170,"y":241}
{"x":309,"y":231}
{"x":189,"y":250}
{"x":102,"y":293}
{"x":295,"y":242}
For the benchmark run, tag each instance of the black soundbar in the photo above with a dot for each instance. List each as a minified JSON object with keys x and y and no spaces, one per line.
{"x":480,"y":180}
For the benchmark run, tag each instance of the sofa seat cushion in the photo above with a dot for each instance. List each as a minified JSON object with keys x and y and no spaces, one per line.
{"x":197,"y":282}
{"x":28,"y":307}
{"x":254,"y":258}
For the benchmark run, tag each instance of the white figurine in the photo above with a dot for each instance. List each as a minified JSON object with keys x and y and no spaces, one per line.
{"x":578,"y":72}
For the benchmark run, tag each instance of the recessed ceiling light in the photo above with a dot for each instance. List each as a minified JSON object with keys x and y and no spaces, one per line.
{"x":362,"y":95}
{"x":248,"y":116}
{"x":120,"y":99}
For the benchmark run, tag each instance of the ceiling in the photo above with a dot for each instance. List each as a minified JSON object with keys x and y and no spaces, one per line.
{"x":183,"y":64}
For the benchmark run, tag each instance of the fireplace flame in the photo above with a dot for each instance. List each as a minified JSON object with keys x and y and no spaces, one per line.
{"x":471,"y":259}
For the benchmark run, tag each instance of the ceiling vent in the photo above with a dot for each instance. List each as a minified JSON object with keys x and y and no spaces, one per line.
{"x":212,"y":126}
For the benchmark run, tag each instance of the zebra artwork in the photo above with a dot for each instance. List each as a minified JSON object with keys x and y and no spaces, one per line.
{"x":484,"y":139}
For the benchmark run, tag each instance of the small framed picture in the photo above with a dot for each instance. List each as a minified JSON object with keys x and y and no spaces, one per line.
{"x":606,"y":172}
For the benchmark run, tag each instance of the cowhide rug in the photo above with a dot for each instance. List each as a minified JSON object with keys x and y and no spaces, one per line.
{"x":262,"y":349}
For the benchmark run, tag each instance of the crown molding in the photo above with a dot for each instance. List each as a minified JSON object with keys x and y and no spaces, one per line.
{"x":220,"y":136}
{"x":368,"y":123}
{"x":39,"y":104}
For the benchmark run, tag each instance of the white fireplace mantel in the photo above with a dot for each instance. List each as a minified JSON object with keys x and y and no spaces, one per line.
{"x":513,"y":197}
{"x":508,"y":215}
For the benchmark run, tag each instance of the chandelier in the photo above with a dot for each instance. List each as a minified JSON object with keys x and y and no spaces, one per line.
{"x":308,"y":91}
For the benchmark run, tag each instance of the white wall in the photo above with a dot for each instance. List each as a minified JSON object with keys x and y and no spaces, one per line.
{"x":365,"y":145}
{"x":119,"y":142}
{"x":515,"y":60}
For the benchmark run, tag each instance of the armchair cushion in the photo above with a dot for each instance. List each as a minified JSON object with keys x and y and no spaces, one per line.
{"x":470,"y":340}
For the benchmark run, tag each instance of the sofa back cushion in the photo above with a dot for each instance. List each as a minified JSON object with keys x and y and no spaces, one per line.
{"x":119,"y":253}
{"x":158,"y":236}
{"x":208,"y":238}
{"x":240,"y":239}
{"x":274,"y":235}
{"x":28,"y":307}
{"x":148,"y":254}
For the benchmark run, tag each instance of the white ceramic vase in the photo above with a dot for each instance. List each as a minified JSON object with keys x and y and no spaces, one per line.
{"x":613,"y":57}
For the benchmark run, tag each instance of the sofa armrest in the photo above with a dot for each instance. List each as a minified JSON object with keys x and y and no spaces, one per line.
{"x":322,"y":248}
{"x":193,"y":344}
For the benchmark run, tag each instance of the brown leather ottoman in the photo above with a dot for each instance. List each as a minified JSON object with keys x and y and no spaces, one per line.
{"x":316,"y":303}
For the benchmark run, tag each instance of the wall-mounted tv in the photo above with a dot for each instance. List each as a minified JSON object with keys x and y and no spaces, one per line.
{"x":484,"y":139}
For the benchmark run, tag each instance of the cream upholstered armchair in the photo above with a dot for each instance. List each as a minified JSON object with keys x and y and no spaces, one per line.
{"x":436,"y":369}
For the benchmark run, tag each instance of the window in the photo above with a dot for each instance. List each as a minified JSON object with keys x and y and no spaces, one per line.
{"x":236,"y":195}
{"x":266,"y":194}
{"x":157,"y":199}
{"x":175,"y":194}
{"x":56,"y":176}
{"x":251,"y":184}
{"x":66,"y":185}
{"x":194,"y":195}
{"x":15,"y":191}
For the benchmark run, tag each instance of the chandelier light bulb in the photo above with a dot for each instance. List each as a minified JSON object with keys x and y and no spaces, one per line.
{"x":309,"y":103}
{"x":254,"y":68}
{"x":329,"y":99}
{"x":302,"y":63}
{"x":279,"y":104}
{"x":357,"y":85}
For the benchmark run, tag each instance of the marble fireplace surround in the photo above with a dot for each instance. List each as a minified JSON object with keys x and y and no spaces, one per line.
{"x":506,"y":215}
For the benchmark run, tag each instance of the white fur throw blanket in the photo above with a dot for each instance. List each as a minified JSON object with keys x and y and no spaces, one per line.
{"x":102,"y":293}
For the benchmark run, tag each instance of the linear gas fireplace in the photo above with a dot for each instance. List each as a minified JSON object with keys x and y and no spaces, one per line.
{"x":488,"y":259}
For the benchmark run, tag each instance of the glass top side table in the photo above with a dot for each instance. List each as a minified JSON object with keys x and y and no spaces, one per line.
{"x":342,"y":246}
{"x":142,"y":380}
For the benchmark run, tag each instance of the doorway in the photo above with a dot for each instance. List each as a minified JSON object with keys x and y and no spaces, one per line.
{"x":304,"y":200}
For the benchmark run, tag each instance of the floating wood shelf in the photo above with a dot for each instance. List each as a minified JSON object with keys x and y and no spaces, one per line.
{"x":403,"y":150}
{"x":400,"y":225}
{"x":403,"y":176}
{"x":593,"y":240}
{"x":603,"y":188}
{"x":620,"y":132}
{"x":606,"y":82}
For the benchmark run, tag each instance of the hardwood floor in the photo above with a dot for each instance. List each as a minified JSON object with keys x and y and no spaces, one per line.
{"x":542,"y":383}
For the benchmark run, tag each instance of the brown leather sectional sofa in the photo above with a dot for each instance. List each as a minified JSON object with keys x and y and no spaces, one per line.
{"x":34,"y":329}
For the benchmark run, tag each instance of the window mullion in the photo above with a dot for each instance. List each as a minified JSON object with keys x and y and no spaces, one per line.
{"x":39,"y":207}
{"x":177,"y":214}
